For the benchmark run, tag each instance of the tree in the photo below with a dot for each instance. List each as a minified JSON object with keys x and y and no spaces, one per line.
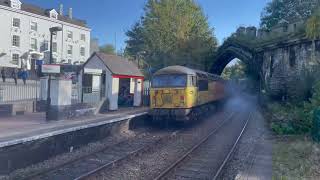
{"x":313,"y":25}
{"x":236,"y":71}
{"x":108,"y":49}
{"x":172,"y":32}
{"x":289,"y":10}
{"x":313,"y":31}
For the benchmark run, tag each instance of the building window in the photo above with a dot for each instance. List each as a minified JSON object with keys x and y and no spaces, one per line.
{"x":34,"y":45}
{"x":16,"y":22}
{"x":82,"y":51}
{"x":83,"y":37}
{"x":54,"y":60}
{"x":15,"y":58}
{"x":69,"y":49}
{"x":34,"y":26}
{"x":69,"y":61}
{"x":44,"y":46}
{"x":54,"y":47}
{"x":69,"y":34}
{"x":16,"y":41}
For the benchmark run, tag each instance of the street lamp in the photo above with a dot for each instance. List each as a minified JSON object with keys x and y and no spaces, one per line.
{"x":53,"y":31}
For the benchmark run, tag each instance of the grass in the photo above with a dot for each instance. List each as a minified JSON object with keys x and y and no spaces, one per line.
{"x":295,"y":157}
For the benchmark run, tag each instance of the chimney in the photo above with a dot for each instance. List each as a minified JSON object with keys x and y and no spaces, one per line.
{"x":61,"y":9}
{"x":70,"y":13}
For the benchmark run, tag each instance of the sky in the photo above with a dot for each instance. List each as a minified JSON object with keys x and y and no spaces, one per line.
{"x":110,"y":19}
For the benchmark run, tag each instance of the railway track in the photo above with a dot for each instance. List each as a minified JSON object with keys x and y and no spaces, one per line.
{"x":85,"y":166}
{"x":200,"y":162}
{"x":96,"y":162}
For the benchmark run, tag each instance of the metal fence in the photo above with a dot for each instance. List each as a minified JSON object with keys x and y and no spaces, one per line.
{"x":10,"y":92}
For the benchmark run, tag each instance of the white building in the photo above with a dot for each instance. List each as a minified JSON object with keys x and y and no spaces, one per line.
{"x":25,"y":36}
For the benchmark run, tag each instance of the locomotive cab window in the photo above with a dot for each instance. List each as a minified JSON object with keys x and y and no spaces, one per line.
{"x":171,"y":80}
{"x":192,"y":81}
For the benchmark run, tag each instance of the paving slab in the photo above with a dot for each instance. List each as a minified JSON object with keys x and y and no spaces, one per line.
{"x":29,"y":127}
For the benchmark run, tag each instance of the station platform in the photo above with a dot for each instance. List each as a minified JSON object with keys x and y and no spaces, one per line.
{"x":33,"y":126}
{"x":29,"y":139}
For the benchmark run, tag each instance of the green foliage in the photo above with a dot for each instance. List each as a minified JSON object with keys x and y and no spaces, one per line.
{"x":236,"y":71}
{"x":313,"y":26}
{"x":108,"y":49}
{"x":289,"y":10}
{"x":295,"y":118}
{"x":172,"y":32}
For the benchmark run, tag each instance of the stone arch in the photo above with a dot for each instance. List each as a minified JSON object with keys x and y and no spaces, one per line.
{"x":232,"y":49}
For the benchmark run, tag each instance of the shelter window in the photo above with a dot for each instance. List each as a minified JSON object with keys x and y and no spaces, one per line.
{"x":169,"y":81}
{"x":203,"y":85}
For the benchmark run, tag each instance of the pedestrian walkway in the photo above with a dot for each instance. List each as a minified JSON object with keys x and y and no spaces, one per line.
{"x":29,"y":127}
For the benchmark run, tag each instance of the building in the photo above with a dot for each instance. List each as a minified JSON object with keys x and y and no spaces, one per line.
{"x":113,"y":79}
{"x":25,"y":35}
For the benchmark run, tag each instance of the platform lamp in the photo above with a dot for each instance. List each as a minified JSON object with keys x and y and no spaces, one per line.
{"x":53,"y":31}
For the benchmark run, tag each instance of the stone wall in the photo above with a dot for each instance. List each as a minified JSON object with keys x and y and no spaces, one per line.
{"x":284,"y":69}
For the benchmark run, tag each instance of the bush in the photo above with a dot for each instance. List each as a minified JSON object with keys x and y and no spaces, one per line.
{"x":295,"y":118}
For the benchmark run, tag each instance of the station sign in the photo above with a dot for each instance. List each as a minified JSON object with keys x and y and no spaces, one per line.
{"x":92,"y":71}
{"x":51,"y":68}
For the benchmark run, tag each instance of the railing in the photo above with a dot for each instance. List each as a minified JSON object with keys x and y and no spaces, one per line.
{"x":10,"y":92}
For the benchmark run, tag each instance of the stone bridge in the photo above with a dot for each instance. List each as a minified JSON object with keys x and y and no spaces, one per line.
{"x":282,"y":65}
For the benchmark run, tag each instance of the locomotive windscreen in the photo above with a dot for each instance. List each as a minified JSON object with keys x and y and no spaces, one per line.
{"x":171,"y":80}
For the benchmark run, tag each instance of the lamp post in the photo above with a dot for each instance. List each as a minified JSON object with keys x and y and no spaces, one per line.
{"x":53,"y":31}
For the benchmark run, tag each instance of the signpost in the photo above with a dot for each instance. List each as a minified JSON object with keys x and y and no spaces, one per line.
{"x":51,"y":69}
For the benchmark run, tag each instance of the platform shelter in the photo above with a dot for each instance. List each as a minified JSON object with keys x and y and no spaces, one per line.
{"x":112,"y":79}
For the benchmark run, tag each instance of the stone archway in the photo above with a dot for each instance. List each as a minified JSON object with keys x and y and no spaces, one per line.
{"x":231,"y":50}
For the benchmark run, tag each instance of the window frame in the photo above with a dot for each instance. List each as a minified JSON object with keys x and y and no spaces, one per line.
{"x":71,"y":34}
{"x":35,"y":25}
{"x":16,"y":62}
{"x":54,"y":47}
{"x":84,"y":51}
{"x":82,"y":37}
{"x":69,"y":49}
{"x":13,"y":22}
{"x":13,"y":40}
{"x":36,"y":44}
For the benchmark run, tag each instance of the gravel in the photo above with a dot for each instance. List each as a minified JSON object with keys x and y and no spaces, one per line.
{"x":244,"y":160}
{"x":74,"y":154}
{"x":153,"y":162}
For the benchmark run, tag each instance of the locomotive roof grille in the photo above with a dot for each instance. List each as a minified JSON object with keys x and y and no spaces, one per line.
{"x":187,"y":71}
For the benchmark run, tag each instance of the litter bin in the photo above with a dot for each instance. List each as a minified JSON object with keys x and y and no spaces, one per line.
{"x":316,"y":125}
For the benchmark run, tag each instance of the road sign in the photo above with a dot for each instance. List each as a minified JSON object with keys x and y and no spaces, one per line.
{"x":51,"y":68}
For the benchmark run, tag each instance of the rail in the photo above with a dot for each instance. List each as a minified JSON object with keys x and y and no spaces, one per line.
{"x":173,"y":166}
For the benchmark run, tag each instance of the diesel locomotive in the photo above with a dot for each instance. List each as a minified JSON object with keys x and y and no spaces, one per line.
{"x":179,"y":93}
